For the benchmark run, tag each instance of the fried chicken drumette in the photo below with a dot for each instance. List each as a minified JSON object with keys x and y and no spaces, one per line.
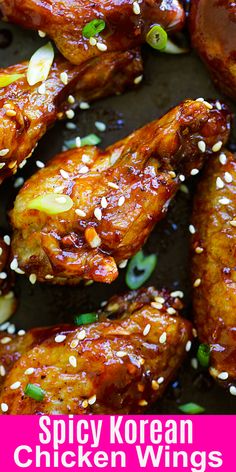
{"x":114,"y":366}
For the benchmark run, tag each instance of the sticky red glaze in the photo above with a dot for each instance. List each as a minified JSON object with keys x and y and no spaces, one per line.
{"x":64,"y":20}
{"x":144,"y":167}
{"x":215,"y":299}
{"x":122,"y":383}
{"x":213,"y":33}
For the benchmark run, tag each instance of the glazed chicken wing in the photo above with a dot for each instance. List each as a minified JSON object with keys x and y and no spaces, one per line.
{"x":26,"y":112}
{"x":213,"y":34}
{"x":214,"y":267}
{"x":7,"y":297}
{"x":124,"y":23}
{"x":89,"y":210}
{"x":115,"y":366}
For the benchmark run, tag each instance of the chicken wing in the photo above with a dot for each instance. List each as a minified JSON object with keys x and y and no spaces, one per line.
{"x":214,"y":267}
{"x":7,"y":297}
{"x":89,"y":210}
{"x":26,"y":112}
{"x":213,"y":34}
{"x":122,"y":25}
{"x":115,"y":366}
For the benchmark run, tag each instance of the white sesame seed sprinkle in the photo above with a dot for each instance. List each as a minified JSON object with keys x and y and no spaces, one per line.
{"x":218,"y":105}
{"x":81,"y":335}
{"x":14,"y":264}
{"x":188,"y":346}
{"x":98,"y":213}
{"x":22,"y":164}
{"x":160,"y":300}
{"x":233,"y":223}
{"x":182,"y":178}
{"x":4,"y":152}
{"x":194,"y":172}
{"x":219,"y":183}
{"x":4,"y":407}
{"x":121,"y":201}
{"x":194,"y":363}
{"x":104,"y":202}
{"x":228,"y":178}
{"x":160,"y":380}
{"x":92,"y":400}
{"x":18,"y":182}
{"x":201,"y":146}
{"x":217,"y":146}
{"x":197,"y":283}
{"x":40,"y":164}
{"x":80,"y":212}
{"x":156,"y":305}
{"x":5,"y":340}
{"x":11,"y":329}
{"x":208,"y":105}
{"x":3,"y":275}
{"x":64,"y":78}
{"x":21,"y":332}
{"x":73,"y":361}
{"x":171,"y":311}
{"x":100,"y":126}
{"x":29,"y":371}
{"x":7,"y":240}
{"x":70,"y":125}
{"x":15,"y":386}
{"x":113,"y":185}
{"x":41,"y":34}
{"x":136,"y":8}
{"x":223,"y":158}
{"x":146,"y":329}
{"x":223,"y":376}
{"x":138,"y":79}
{"x":177,"y":293}
{"x":74,"y":343}
{"x":70,"y":114}
{"x":2,"y":371}
{"x":101,"y":47}
{"x":84,"y":105}
{"x":232,"y":390}
{"x":42,"y":89}
{"x":121,"y":354}
{"x":224,"y":201}
{"x":64,"y":174}
{"x":163,"y":338}
{"x":92,"y":41}
{"x":4,"y":326}
{"x":192,"y":229}
{"x":71,"y":99}
{"x":83,"y":170}
{"x":124,"y":263}
{"x":33,"y":278}
{"x":60,"y":338}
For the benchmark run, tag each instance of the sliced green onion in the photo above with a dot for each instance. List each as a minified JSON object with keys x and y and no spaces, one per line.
{"x":191,"y":408}
{"x":35,"y":392}
{"x":172,"y":48}
{"x":86,"y":318}
{"x":7,"y":79}
{"x":139,"y":269}
{"x":157,"y":37}
{"x":203,"y":355}
{"x":51,"y":203}
{"x":40,"y":64}
{"x":90,"y":140}
{"x":93,"y":28}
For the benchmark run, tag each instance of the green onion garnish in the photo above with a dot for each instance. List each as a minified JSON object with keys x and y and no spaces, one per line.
{"x":139,"y":269}
{"x":35,"y":392}
{"x":86,"y":318}
{"x":90,"y":140}
{"x":7,"y":79}
{"x":203,"y":355}
{"x":157,"y":37}
{"x":51,"y":203}
{"x":93,"y":28}
{"x":191,"y":408}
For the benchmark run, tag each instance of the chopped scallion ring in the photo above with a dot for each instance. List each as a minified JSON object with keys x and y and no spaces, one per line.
{"x":191,"y":408}
{"x":90,"y":140}
{"x":140,"y":269}
{"x":51,"y":203}
{"x":7,"y":79}
{"x":35,"y":392}
{"x":203,"y":355}
{"x":86,"y":318}
{"x":93,"y":28}
{"x":157,"y":37}
{"x":40,"y":64}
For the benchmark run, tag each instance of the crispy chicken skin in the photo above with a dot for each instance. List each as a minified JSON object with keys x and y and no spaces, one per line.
{"x":213,"y":34}
{"x":214,"y":217}
{"x":109,"y":367}
{"x":26,"y":114}
{"x":64,"y":21}
{"x":122,"y":192}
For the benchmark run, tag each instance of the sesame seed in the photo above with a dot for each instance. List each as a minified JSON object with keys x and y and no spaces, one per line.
{"x":156,"y":305}
{"x":163,"y":338}
{"x":228,"y":178}
{"x":197,"y":283}
{"x":14,"y":264}
{"x":171,"y":311}
{"x":40,"y":164}
{"x":208,"y":105}
{"x":64,"y":78}
{"x":42,"y":89}
{"x":70,"y":114}
{"x":217,"y":146}
{"x":223,"y":158}
{"x":138,"y":79}
{"x":146,"y":329}
{"x":98,"y":213}
{"x":160,"y":300}
{"x":60,"y":338}
{"x":92,"y":41}
{"x":7,"y":240}
{"x":194,"y":363}
{"x":15,"y":386}
{"x":85,"y":404}
{"x":192,"y":229}
{"x":218,"y":105}
{"x":201,"y":146}
{"x":223,"y":376}
{"x":11,"y":329}
{"x":121,"y":353}
{"x":2,"y":371}
{"x":136,"y":8}
{"x":73,"y":361}
{"x":83,"y":170}
{"x":4,"y":407}
{"x":3,"y":275}
{"x":224,"y":201}
{"x":121,"y":201}
{"x":49,"y":277}
{"x":21,"y":332}
{"x":4,"y":152}
{"x":18,"y":182}
{"x":124,"y":263}
{"x":104,"y":202}
{"x":71,"y":99}
{"x":29,"y":371}
{"x":233,"y":223}
{"x":200,"y":99}
{"x":101,"y":47}
{"x":5,"y":340}
{"x":85,"y":159}
{"x":80,"y":212}
{"x":143,"y":403}
{"x":100,"y":126}
{"x":64,"y":174}
{"x":33,"y":278}
{"x":84,"y":105}
{"x":188,"y":346}
{"x":199,"y":250}
{"x":155,"y":385}
{"x":92,"y":400}
{"x":232,"y":390}
{"x":172,"y":174}
{"x":81,"y":335}
{"x":41,"y":34}
{"x":70,"y":125}
{"x":11,"y":113}
{"x":160,"y":380}
{"x":19,"y":271}
{"x":182,"y":178}
{"x":112,"y":185}
{"x":177,"y":293}
{"x":74,"y":343}
{"x":219,"y":183}
{"x":194,"y":172}
{"x":4,"y":326}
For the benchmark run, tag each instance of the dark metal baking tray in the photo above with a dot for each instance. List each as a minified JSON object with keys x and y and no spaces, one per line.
{"x":168,"y":80}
